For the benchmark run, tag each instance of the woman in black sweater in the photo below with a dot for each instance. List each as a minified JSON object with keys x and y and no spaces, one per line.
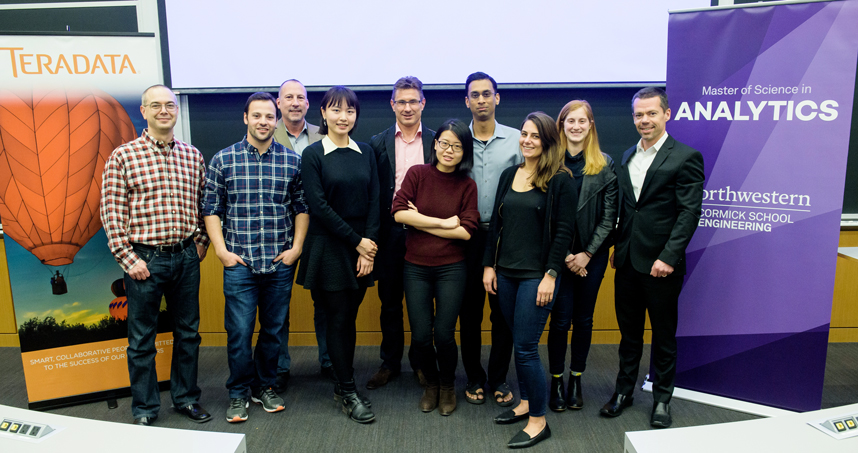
{"x":341,"y":188}
{"x":531,"y":228}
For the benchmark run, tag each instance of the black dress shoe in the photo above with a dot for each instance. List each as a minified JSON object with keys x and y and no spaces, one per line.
{"x":574,"y":396}
{"x":615,"y":406}
{"x":556,"y":398}
{"x":195,"y":412}
{"x":661,"y":416}
{"x":509,"y":417}
{"x":523,"y":440}
{"x":338,"y":396}
{"x":145,"y":421}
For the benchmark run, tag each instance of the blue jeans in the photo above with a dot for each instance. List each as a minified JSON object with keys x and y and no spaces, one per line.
{"x":176,"y":277}
{"x":320,"y":322}
{"x":575,"y":304}
{"x":434,"y":296}
{"x":517,"y":300}
{"x":245,"y":292}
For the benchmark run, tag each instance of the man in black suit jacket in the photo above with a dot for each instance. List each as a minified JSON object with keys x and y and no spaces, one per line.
{"x":661,"y":193}
{"x":403,"y":145}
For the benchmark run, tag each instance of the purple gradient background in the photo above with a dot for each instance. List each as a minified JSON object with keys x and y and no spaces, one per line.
{"x":755,"y":309}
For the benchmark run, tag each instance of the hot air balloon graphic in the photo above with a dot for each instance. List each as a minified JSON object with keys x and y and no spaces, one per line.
{"x":118,"y":307}
{"x":53,"y":145}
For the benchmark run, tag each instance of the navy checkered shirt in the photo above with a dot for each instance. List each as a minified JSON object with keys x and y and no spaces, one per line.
{"x":257,"y":197}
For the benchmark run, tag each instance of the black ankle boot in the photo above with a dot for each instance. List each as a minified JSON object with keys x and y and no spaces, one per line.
{"x":556,"y":400}
{"x":338,"y":396}
{"x":352,"y":404}
{"x":574,"y":396}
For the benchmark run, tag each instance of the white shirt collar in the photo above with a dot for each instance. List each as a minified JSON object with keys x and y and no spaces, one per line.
{"x":654,"y":148}
{"x":329,"y":145}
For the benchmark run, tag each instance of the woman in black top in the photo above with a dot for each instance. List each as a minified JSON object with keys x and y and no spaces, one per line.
{"x":588,"y":259}
{"x":341,"y":188}
{"x":531,"y":228}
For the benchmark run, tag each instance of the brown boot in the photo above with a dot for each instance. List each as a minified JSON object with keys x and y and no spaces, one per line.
{"x":429,"y":400}
{"x":447,"y":403}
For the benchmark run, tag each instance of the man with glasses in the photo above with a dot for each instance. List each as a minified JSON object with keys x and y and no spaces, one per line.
{"x":403,"y":145}
{"x":255,"y":187}
{"x":150,"y":197}
{"x":495,"y":149}
{"x":295,"y":133}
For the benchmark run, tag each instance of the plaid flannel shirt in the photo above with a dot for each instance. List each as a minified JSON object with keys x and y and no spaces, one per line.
{"x":150,"y":194}
{"x":257,"y":197}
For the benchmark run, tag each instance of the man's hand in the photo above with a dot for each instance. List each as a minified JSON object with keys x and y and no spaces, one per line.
{"x":289,"y":256}
{"x":364,"y":266}
{"x":661,"y":269}
{"x":611,"y":260}
{"x":367,"y":248}
{"x":230,"y":259}
{"x":201,"y":251}
{"x":490,"y":280}
{"x":139,"y":271}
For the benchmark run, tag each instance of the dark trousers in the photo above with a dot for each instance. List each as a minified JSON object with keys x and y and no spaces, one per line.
{"x":284,"y":362}
{"x":434,"y":296}
{"x":576,"y":301}
{"x":471,"y":319}
{"x":637,"y":293}
{"x":247,"y":294}
{"x":176,"y":277}
{"x":517,"y":297}
{"x":390,"y":291}
{"x":341,"y":309}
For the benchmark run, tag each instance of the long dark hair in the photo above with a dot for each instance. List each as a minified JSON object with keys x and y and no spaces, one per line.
{"x":551,"y":159}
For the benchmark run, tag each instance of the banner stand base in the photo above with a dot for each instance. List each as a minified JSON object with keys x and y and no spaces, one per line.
{"x":722,"y":402}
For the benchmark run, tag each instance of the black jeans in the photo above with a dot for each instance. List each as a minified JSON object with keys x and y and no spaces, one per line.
{"x":576,"y":301}
{"x":341,"y":309}
{"x":471,"y":319}
{"x":391,"y":261}
{"x":446,"y":285}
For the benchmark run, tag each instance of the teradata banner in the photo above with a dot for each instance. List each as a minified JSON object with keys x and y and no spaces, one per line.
{"x":66,"y":102}
{"x":765,"y":93}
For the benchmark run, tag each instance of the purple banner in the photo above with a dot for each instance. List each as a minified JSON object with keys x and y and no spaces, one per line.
{"x":765,"y":93}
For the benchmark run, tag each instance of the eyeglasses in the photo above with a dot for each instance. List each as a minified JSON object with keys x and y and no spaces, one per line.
{"x":443,"y":144}
{"x":411,"y":103}
{"x":171,"y":107}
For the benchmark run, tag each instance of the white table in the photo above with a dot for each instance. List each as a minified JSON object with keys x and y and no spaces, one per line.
{"x":848,"y":252}
{"x":785,"y":433}
{"x":83,"y":435}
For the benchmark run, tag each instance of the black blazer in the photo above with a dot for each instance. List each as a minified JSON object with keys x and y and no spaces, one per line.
{"x":659,"y":225}
{"x":384,"y":146}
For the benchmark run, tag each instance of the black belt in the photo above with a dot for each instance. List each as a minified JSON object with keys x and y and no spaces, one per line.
{"x":484,"y":226}
{"x":173,"y":248}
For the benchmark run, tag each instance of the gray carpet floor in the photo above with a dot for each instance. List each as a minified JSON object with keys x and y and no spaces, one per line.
{"x":312,"y":422}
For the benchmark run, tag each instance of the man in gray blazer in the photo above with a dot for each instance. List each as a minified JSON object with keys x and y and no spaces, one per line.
{"x":292,"y":131}
{"x":295,"y":133}
{"x":397,"y":148}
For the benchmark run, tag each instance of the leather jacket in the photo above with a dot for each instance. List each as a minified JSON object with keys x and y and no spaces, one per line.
{"x":596,"y":216}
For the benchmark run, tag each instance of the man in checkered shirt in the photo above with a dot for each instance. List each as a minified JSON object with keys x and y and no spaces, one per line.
{"x":255,"y":187}
{"x":150,"y":198}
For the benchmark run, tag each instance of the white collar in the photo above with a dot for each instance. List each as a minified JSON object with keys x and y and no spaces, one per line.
{"x":329,"y":145}
{"x":655,"y":148}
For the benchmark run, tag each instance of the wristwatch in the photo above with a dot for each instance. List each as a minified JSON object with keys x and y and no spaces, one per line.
{"x":552,"y":273}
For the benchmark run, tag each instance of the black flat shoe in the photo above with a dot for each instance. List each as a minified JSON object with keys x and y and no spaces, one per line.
{"x":574,"y":395}
{"x":523,"y":440}
{"x":194,"y":412}
{"x":338,"y":396}
{"x":145,"y":421}
{"x":614,"y":407}
{"x":661,"y":416}
{"x":509,"y":417}
{"x":556,"y":398}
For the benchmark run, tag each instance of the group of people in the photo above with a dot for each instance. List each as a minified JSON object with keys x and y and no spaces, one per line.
{"x":442,"y":218}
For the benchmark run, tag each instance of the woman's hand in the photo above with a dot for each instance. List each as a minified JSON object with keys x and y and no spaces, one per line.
{"x":364,"y":266}
{"x":451,"y":223}
{"x":411,"y":207}
{"x":367,"y":248}
{"x":545,"y":292}
{"x":578,"y":263}
{"x":490,"y":280}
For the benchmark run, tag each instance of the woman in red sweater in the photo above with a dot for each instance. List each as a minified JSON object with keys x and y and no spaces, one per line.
{"x":438,"y":201}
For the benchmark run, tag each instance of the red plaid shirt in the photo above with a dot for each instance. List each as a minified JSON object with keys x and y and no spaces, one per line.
{"x":150,"y":194}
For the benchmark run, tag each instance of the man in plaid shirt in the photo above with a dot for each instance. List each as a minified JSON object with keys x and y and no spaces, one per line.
{"x":150,"y":197}
{"x":255,"y":187}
